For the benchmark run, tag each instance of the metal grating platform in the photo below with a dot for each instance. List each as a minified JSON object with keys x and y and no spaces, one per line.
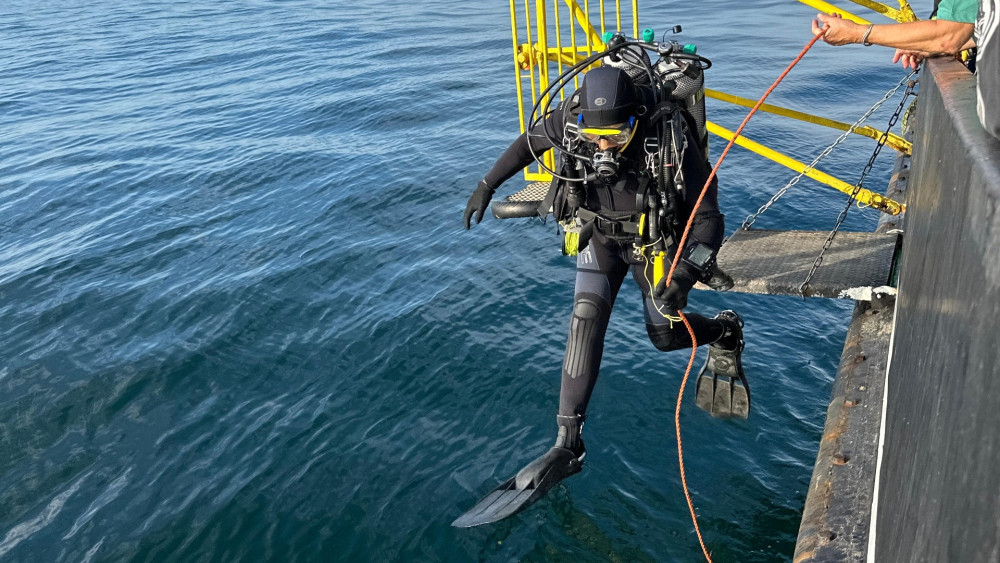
{"x":777,"y":262}
{"x":523,"y":203}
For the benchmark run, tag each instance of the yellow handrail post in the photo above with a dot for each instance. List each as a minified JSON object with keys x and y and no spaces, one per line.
{"x":517,"y":66}
{"x":635,"y":18}
{"x":529,"y":54}
{"x":541,"y":26}
{"x":559,"y":47}
{"x":572,"y":37}
{"x":601,"y":3}
{"x":542,"y":35}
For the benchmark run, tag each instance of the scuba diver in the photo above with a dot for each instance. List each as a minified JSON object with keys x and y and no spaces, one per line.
{"x":632,"y":162}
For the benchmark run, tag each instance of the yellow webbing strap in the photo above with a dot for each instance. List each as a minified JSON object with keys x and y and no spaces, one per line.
{"x":865,"y":197}
{"x":893,"y":140}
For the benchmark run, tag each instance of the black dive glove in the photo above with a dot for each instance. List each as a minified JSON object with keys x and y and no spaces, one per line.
{"x":478,"y":202}
{"x":675,"y":295}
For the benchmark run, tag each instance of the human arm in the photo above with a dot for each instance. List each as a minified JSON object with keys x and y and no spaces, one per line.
{"x":912,"y":59}
{"x":928,"y":36}
{"x":518,"y":155}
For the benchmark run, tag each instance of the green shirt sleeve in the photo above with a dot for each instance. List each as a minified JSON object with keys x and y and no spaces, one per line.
{"x":964,"y":11}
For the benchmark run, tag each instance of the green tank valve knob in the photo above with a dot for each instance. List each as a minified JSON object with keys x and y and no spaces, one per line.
{"x":607,"y":36}
{"x":648,"y":35}
{"x":690,"y":48}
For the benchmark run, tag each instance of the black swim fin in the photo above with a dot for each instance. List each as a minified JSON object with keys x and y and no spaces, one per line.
{"x":723,"y":390}
{"x":522,"y":490}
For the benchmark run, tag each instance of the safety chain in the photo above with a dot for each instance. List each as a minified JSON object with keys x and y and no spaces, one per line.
{"x":749,"y":221}
{"x":857,"y":187}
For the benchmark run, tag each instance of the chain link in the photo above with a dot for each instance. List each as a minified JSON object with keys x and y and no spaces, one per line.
{"x":749,"y":221}
{"x":864,"y":173}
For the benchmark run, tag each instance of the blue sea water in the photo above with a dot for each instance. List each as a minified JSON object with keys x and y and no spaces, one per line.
{"x":239,"y":319}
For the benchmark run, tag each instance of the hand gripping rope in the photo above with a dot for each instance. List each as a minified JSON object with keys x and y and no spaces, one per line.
{"x":673,"y":266}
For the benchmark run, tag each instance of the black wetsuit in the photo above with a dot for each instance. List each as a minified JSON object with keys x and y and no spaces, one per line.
{"x":603,"y":264}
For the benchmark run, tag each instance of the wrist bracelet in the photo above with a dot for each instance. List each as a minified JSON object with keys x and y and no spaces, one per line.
{"x":864,"y":38}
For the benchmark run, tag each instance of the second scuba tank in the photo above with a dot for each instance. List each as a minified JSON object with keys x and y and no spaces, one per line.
{"x":685,"y":81}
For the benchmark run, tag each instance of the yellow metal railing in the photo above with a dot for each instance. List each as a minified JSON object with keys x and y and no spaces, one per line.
{"x":864,"y":196}
{"x":893,"y":140}
{"x":550,"y":36}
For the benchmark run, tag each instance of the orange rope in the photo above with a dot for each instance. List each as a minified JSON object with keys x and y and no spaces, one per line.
{"x":673,"y":266}
{"x":680,"y":448}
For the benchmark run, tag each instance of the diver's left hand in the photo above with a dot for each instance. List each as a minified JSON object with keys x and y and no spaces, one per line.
{"x":674,"y":296}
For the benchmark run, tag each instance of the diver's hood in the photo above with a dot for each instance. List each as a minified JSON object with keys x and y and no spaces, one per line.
{"x":608,"y":97}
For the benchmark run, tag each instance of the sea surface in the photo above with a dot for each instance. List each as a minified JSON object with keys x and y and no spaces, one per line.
{"x":240,"y":320}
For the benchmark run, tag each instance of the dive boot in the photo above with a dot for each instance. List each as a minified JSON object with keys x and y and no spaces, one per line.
{"x":722,"y":388}
{"x":529,"y":485}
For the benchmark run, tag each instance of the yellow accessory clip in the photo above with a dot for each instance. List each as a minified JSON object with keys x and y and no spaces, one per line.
{"x":659,"y":266}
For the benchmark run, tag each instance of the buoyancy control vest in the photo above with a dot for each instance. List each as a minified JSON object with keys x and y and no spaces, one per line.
{"x":673,"y":95}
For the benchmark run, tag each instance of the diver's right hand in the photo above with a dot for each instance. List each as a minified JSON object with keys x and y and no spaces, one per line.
{"x":674,"y":296}
{"x":478,"y":202}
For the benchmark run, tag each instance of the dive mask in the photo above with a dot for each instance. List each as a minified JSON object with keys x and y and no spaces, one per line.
{"x":619,"y":134}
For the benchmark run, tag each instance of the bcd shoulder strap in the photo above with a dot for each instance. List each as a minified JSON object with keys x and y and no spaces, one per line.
{"x":546,"y":204}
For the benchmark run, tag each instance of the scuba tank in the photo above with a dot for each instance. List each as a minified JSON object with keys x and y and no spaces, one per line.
{"x":685,"y":81}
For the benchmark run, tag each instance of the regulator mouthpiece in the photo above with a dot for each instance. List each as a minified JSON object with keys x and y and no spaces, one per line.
{"x":606,"y":164}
